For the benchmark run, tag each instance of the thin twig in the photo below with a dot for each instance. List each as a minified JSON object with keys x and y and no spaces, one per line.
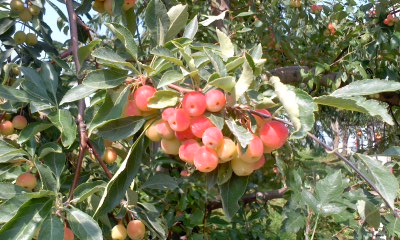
{"x":180,"y":89}
{"x":97,"y":156}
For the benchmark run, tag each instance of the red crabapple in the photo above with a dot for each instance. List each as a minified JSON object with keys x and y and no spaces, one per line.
{"x":253,"y":152}
{"x":170,"y":146}
{"x":274,"y":135}
{"x":136,"y":230}
{"x":212,"y":137}
{"x":185,"y":135}
{"x":188,"y":150}
{"x":68,"y":234}
{"x":142,"y":96}
{"x":179,"y":120}
{"x":167,"y":113}
{"x":131,"y":109}
{"x":164,"y":129}
{"x":205,"y":159}
{"x":241,"y":168}
{"x":260,"y":120}
{"x":215,"y":100}
{"x":19,"y":122}
{"x":259,"y":164}
{"x":199,"y":125}
{"x":6,"y":128}
{"x":226,"y":150}
{"x":118,"y":232}
{"x":27,"y":181}
{"x":194,"y":103}
{"x":128,"y":4}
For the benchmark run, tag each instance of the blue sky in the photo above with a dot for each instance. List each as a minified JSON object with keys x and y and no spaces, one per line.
{"x":51,"y":17}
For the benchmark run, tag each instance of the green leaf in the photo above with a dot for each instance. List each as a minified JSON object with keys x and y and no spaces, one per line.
{"x":9,"y":152}
{"x":369,"y":213}
{"x":28,"y":218}
{"x":8,"y":191}
{"x":294,"y":221}
{"x":385,"y":181}
{"x":52,"y":228}
{"x":64,"y":121}
{"x":366,"y":87}
{"x":169,"y":77}
{"x":178,"y":16}
{"x":9,"y":208}
{"x":166,"y":54}
{"x":226,"y":83}
{"x":50,"y":79}
{"x":105,"y":78}
{"x":50,"y":147}
{"x":357,"y":104}
{"x":110,"y":58}
{"x":163,"y":99}
{"x":31,"y":130}
{"x":77,"y":93}
{"x":231,"y":192}
{"x":217,"y":119}
{"x":217,"y":62}
{"x":298,"y":104}
{"x":234,"y":64}
{"x":225,"y":45}
{"x":157,"y":21}
{"x":83,"y":225}
{"x":85,"y":190}
{"x":191,"y":28}
{"x":392,"y":151}
{"x":160,"y":182}
{"x":122,"y":179}
{"x":35,"y":87}
{"x":85,"y":51}
{"x":121,"y":128}
{"x":56,"y":162}
{"x":47,"y":178}
{"x":149,"y":215}
{"x":329,"y":188}
{"x":242,"y":134}
{"x":224,"y":173}
{"x":125,"y":36}
{"x":13,"y":94}
{"x":244,"y":82}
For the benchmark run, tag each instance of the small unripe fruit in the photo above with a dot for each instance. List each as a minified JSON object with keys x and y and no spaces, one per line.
{"x":34,"y":10}
{"x":142,"y":96}
{"x":98,"y":6}
{"x":259,"y":164}
{"x":110,"y":155}
{"x":253,"y":152}
{"x":68,"y":234}
{"x":118,"y":232}
{"x":19,"y":37}
{"x":128,"y":4}
{"x":194,"y":103}
{"x":108,"y":7}
{"x":226,"y":150}
{"x":131,"y":109}
{"x":19,"y":122}
{"x":199,"y":125}
{"x":136,"y":230}
{"x":27,"y":181}
{"x":6,"y":128}
{"x":274,"y":135}
{"x":152,"y":134}
{"x":185,"y":173}
{"x":25,"y":15}
{"x":205,"y":159}
{"x":215,"y":100}
{"x":31,"y":39}
{"x":241,"y":168}
{"x":188,"y":150}
{"x":170,"y":146}
{"x":185,"y":135}
{"x":16,"y":71}
{"x":179,"y":120}
{"x":212,"y":137}
{"x":165,"y":130}
{"x":17,"y":5}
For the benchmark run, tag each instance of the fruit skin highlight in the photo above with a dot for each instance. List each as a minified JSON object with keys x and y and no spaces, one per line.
{"x":136,"y":230}
{"x":110,"y":155}
{"x":27,"y":181}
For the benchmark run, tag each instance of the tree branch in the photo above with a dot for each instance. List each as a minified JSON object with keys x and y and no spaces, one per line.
{"x":101,"y":162}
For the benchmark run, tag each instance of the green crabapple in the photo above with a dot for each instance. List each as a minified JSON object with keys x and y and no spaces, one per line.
{"x":226,"y":150}
{"x":170,"y":146}
{"x":194,"y":103}
{"x":215,"y":100}
{"x":205,"y":159}
{"x":151,"y":131}
{"x":118,"y":232}
{"x":142,"y":96}
{"x":188,"y":150}
{"x":212,"y":137}
{"x":241,"y":168}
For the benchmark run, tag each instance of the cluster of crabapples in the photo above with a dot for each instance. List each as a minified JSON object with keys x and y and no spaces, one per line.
{"x":390,"y":20}
{"x":21,"y":37}
{"x":102,"y":6}
{"x":134,"y":230}
{"x":25,"y":11}
{"x":185,"y":131}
